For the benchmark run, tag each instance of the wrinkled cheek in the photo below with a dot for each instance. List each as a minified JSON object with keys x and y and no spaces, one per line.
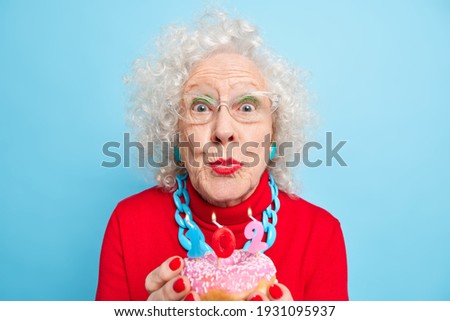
{"x":254,"y":156}
{"x":190,"y":148}
{"x":256,"y":149}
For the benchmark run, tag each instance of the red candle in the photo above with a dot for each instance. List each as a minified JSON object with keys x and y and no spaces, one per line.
{"x":223,"y":240}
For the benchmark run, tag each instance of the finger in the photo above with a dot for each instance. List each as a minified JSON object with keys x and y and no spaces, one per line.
{"x":257,"y":296}
{"x":174,"y":290}
{"x":279,"y":292}
{"x":192,"y":296}
{"x":168,"y":270}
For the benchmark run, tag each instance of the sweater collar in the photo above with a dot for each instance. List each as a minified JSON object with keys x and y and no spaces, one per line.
{"x":234,"y":215}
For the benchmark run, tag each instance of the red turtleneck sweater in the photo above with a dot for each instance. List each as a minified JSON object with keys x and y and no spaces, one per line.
{"x":309,"y":251}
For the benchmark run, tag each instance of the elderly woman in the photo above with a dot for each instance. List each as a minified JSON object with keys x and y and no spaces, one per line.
{"x":223,"y":104}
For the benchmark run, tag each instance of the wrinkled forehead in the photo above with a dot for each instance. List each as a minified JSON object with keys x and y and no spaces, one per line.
{"x":224,"y":74}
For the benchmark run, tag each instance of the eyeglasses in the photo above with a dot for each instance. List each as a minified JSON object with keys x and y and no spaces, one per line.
{"x":248,"y":108}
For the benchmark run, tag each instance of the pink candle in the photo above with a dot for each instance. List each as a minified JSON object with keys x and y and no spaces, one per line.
{"x":254,"y":231}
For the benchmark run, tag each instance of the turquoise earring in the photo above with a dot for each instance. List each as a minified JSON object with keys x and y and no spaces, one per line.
{"x":177,"y":157}
{"x":273,"y":150}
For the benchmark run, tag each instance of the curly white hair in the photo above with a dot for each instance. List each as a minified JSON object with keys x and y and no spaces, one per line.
{"x":159,"y":80}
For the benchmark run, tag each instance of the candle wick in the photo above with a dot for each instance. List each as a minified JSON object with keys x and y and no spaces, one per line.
{"x":249,"y":213}
{"x":254,"y":219}
{"x":218,"y":225}
{"x":213,"y":217}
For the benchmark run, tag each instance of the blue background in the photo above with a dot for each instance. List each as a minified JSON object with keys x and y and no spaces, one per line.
{"x":379,"y":75}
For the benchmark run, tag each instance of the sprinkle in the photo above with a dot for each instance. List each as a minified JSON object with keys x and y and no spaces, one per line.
{"x":240,"y":272}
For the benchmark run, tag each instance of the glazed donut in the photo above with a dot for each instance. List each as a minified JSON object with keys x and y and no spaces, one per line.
{"x":229,"y":279}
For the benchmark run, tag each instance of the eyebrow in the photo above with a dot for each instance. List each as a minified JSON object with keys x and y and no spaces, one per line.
{"x":250,"y":98}
{"x":203,"y":98}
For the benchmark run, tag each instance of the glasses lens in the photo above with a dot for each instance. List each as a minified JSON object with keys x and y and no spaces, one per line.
{"x":197,"y":108}
{"x":251,"y":107}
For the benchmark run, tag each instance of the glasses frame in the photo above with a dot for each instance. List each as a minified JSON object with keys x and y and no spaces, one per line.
{"x":273,"y":97}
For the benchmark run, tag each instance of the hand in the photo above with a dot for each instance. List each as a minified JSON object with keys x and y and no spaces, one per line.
{"x":276,"y":292}
{"x":165,"y":283}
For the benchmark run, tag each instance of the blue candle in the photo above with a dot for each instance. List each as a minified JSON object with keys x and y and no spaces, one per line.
{"x":198,"y":245}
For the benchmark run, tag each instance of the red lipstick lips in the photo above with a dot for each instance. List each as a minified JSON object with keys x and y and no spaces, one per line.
{"x":225,"y":166}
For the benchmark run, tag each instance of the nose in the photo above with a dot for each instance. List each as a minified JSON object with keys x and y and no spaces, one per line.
{"x":223,"y":127}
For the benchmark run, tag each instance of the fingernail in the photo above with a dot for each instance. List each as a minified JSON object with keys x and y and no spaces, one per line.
{"x":175,"y":264}
{"x":179,"y":286}
{"x":189,"y":297}
{"x":275,"y":292}
{"x":257,"y":298}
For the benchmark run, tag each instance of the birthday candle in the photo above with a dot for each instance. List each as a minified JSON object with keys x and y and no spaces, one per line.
{"x":223,"y":240}
{"x":254,"y":231}
{"x":198,"y":246}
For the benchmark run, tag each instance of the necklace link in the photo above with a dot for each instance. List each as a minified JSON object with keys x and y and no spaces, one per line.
{"x":269,"y":217}
{"x":187,"y":222}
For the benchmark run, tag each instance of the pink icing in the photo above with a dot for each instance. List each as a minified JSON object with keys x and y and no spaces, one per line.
{"x":240,"y":272}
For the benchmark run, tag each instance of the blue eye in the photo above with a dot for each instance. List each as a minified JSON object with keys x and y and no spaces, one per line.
{"x":200,"y":108}
{"x":247,"y":108}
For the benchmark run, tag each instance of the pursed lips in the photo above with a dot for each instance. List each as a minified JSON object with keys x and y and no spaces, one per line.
{"x":225,"y":162}
{"x":225,"y":166}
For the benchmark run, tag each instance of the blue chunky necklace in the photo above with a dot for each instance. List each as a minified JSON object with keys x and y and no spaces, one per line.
{"x":189,"y":231}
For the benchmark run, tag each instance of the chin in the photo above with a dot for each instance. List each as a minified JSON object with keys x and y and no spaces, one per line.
{"x":223,"y":189}
{"x":226,"y":191}
{"x":226,"y":196}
